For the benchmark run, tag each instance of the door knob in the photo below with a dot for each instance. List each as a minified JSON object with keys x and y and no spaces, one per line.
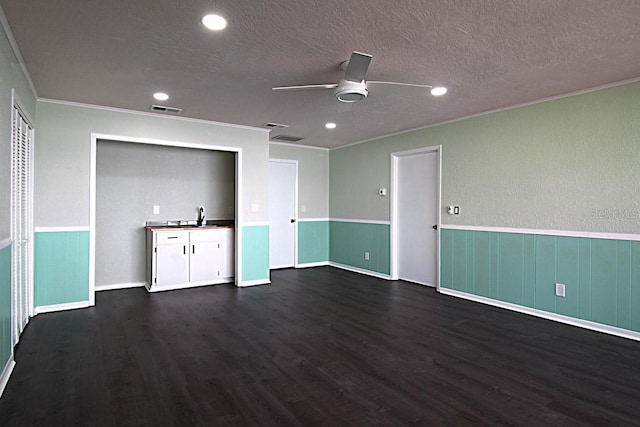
{"x":293,"y":220}
{"x":435,"y":226}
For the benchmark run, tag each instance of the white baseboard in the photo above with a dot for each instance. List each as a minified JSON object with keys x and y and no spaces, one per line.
{"x":360,"y":270}
{"x":313,"y":264}
{"x":115,"y":286}
{"x":6,"y":373}
{"x":586,"y":324}
{"x":61,"y":307}
{"x":249,"y":283}
{"x":157,"y":288}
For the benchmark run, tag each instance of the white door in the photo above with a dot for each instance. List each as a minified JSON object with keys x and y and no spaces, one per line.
{"x":283,"y":177}
{"x":416,"y":216}
{"x":21,"y":222}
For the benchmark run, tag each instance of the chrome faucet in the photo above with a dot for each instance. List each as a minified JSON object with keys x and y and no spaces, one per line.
{"x":201,"y":220}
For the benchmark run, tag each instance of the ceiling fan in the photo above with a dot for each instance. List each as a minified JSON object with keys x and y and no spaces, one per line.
{"x":353,"y":86}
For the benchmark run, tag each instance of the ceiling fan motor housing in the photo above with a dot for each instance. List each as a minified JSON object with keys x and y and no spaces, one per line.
{"x":348,"y":91}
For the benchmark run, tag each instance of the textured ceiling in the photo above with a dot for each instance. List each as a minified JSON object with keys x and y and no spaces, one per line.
{"x":490,"y":54}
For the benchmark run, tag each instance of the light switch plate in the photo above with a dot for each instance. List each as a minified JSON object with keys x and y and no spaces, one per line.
{"x":156,"y":210}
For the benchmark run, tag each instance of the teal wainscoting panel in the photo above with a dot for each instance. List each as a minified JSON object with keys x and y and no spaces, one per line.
{"x":482,"y":263}
{"x":584,"y":272}
{"x":348,"y":241}
{"x":511,"y":268}
{"x":255,"y":253}
{"x":635,"y":286}
{"x":5,"y":306}
{"x":604,"y":298}
{"x":460,"y":276}
{"x":546,"y":273}
{"x":313,"y":241}
{"x":61,"y":267}
{"x":624,"y":284}
{"x":446,"y":258}
{"x":602,"y":276}
{"x":529,"y":282}
{"x":568,"y":273}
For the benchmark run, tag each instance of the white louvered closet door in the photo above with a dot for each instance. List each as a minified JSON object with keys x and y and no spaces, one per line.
{"x":21,"y":223}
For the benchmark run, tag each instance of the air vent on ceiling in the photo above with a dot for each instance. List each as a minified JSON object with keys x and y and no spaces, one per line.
{"x":287,"y":138}
{"x":165,"y":109}
{"x":272,"y":125}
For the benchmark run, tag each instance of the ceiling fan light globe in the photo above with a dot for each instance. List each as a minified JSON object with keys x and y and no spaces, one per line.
{"x":348,"y":91}
{"x":350,"y":97}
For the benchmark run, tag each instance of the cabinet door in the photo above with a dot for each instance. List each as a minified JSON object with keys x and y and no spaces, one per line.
{"x":228,"y":254}
{"x":172,"y":264}
{"x":205,"y":261}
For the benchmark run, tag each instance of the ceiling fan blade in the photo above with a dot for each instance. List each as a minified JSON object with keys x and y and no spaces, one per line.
{"x":303,"y":87}
{"x":358,"y":66}
{"x":399,"y":84}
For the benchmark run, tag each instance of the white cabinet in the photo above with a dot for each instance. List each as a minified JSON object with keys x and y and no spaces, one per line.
{"x":182,"y":258}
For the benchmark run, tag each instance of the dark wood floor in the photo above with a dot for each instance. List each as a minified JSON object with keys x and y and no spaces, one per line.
{"x":318,"y":347}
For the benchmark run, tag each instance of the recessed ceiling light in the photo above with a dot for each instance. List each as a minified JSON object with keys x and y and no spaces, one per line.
{"x":438,"y":91}
{"x":214,"y":22}
{"x":161,"y":96}
{"x":330,"y":125}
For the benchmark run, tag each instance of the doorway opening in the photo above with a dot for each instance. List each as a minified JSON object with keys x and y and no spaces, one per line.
{"x":235,"y":201}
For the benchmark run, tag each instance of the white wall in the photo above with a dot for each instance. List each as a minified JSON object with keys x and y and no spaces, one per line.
{"x":11,"y":77}
{"x":62,"y":169}
{"x":313,"y":177}
{"x":567,"y":164}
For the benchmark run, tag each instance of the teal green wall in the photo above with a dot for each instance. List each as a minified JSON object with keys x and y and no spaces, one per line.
{"x":313,"y":242}
{"x":5,"y":306}
{"x":348,"y":241}
{"x":602,"y":277}
{"x":255,"y":253}
{"x":61,"y":267}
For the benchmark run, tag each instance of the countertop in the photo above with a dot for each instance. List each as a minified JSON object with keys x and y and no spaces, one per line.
{"x":189,"y":224}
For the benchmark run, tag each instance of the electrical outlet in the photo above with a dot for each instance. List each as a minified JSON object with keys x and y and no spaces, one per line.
{"x":560,"y":288}
{"x":156,"y":209}
{"x":366,"y":256}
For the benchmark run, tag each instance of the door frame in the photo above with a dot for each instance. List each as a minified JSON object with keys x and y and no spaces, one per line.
{"x":18,"y":106}
{"x":295,"y":211}
{"x":395,"y":157}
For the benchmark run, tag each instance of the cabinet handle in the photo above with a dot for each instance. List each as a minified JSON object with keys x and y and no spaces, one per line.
{"x":184,"y":250}
{"x":172,"y":237}
{"x":193,"y":249}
